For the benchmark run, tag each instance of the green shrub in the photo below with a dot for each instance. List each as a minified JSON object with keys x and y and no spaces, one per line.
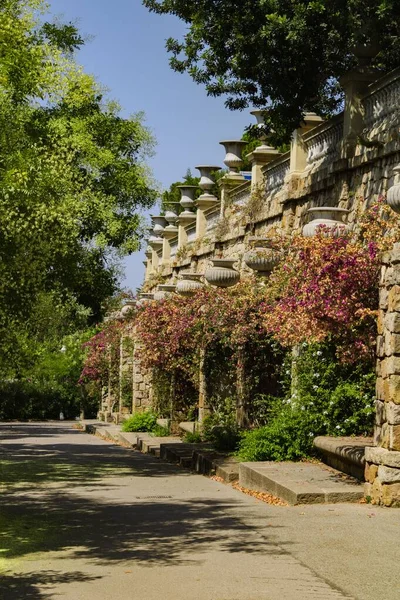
{"x":329,"y":398}
{"x":193,"y":438}
{"x":160,"y":431}
{"x":224,"y":434}
{"x":289,"y":436}
{"x":143,"y":421}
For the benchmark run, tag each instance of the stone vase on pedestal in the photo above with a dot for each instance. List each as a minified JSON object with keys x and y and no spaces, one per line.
{"x":222,"y":274}
{"x":326,"y":220}
{"x":233,"y":157}
{"x":187,"y":202}
{"x":207,"y":183}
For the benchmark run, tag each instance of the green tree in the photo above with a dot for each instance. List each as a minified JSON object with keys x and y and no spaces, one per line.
{"x":73,"y":176}
{"x":286,"y":55}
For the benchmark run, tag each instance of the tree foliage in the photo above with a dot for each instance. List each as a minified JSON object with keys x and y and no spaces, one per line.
{"x":73,"y":176}
{"x":284,"y":54}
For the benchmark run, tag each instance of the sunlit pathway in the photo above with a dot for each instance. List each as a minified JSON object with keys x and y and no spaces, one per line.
{"x":83,"y":519}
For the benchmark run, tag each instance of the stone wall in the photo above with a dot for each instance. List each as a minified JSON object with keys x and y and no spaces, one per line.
{"x":321,"y":169}
{"x":382,"y":472}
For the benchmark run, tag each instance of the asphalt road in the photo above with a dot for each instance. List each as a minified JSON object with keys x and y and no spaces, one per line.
{"x":83,"y":519}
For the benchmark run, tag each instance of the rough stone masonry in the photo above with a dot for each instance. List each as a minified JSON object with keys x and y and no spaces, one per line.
{"x":382,"y":470}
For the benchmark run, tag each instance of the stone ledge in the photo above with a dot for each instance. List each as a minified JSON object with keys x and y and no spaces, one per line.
{"x":381,"y":456}
{"x":346,"y":454}
{"x":300,"y":483}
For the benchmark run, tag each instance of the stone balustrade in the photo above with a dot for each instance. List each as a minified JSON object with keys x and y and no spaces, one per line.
{"x":323,"y":142}
{"x":381,"y":103}
{"x":275,"y":173}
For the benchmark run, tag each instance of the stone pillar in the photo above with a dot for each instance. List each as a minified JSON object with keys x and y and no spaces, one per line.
{"x":382,"y":471}
{"x":170,"y":232}
{"x":207,"y":200}
{"x":187,"y":217}
{"x":141,"y":381}
{"x":298,"y":150}
{"x":204,"y":409}
{"x":260,"y":157}
{"x":355,"y":85}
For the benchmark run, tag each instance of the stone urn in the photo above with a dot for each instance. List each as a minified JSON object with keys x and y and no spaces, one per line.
{"x":222,"y":274}
{"x":262,"y":257}
{"x":233,"y":158}
{"x":207,"y":182}
{"x":128,"y":308}
{"x":189,"y":284}
{"x":159,"y":223}
{"x":148,"y":252}
{"x":187,"y":203}
{"x":163,"y":291}
{"x":171,"y":230}
{"x":393,"y":195}
{"x":326,"y":220}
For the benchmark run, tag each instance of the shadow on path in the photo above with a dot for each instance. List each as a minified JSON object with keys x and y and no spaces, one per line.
{"x":56,"y":500}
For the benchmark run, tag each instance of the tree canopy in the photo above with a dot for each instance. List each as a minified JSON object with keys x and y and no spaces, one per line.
{"x":286,"y":55}
{"x":73,"y":176}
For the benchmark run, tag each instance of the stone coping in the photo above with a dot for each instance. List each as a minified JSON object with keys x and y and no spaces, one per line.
{"x":346,"y":454}
{"x":381,"y":456}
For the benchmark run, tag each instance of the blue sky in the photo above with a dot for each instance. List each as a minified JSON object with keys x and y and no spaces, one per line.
{"x":126,"y":53}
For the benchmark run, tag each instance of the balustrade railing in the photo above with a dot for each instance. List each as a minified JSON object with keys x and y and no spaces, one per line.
{"x":212,"y":219}
{"x":240,"y":194}
{"x":174,"y":247}
{"x":275,"y":173}
{"x":382,"y":102}
{"x":324,"y":143}
{"x":191,"y":234}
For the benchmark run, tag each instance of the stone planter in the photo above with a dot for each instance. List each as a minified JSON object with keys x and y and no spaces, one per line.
{"x":189,"y":284}
{"x":128,"y":308}
{"x":159,"y":223}
{"x":222,"y":274}
{"x":261,"y":258}
{"x":187,"y":202}
{"x":326,"y":220}
{"x":207,"y":179}
{"x":148,"y":252}
{"x":233,"y":158}
{"x":163,"y":291}
{"x":171,"y":230}
{"x":393,"y":195}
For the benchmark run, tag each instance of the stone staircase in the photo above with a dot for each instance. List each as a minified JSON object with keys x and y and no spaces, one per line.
{"x":294,"y":482}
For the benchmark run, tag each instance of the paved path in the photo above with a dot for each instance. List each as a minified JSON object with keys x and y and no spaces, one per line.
{"x":81,"y":519}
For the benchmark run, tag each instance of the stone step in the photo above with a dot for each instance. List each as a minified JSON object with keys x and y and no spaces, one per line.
{"x":300,"y":483}
{"x":346,"y":454}
{"x":210,"y":462}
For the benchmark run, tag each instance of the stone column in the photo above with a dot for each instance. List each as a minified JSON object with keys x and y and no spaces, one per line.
{"x":170,"y":232}
{"x":262,"y":155}
{"x":141,"y":381}
{"x":382,"y":471}
{"x":207,"y":200}
{"x":233,"y":160}
{"x":298,"y":150}
{"x":204,"y":409}
{"x":355,"y":85}
{"x":187,"y":217}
